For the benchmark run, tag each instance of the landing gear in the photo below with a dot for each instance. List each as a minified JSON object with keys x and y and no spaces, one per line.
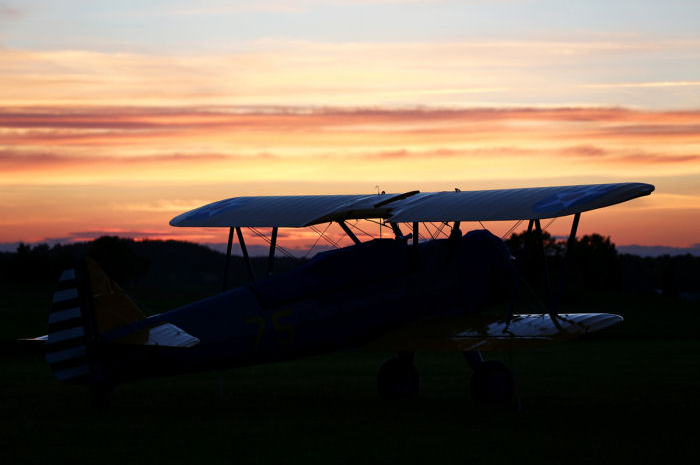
{"x":398,"y":378}
{"x":492,"y":382}
{"x":101,"y":389}
{"x":100,"y":399}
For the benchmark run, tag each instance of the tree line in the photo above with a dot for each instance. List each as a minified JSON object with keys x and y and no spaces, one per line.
{"x":593,"y":264}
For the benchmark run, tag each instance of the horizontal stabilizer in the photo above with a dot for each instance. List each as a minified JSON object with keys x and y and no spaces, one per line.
{"x":496,"y":334}
{"x":165,"y":335}
{"x":87,"y":306}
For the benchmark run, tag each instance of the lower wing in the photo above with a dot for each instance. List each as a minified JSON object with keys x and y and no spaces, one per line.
{"x":492,"y":334}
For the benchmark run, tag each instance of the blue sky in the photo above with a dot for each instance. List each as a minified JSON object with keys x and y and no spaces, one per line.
{"x":171,"y":25}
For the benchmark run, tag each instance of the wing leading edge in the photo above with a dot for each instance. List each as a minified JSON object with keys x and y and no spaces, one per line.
{"x":478,"y":333}
{"x":485,"y":205}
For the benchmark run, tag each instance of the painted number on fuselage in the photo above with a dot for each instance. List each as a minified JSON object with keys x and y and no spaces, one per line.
{"x":260,"y":321}
{"x":285,"y":332}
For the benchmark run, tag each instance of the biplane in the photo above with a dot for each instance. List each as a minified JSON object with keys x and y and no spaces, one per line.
{"x":399,"y":294}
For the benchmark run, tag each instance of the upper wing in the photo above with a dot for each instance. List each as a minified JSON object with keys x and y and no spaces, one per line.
{"x":477,"y":332}
{"x":485,"y":205}
{"x":291,"y":211}
{"x":516,"y":204}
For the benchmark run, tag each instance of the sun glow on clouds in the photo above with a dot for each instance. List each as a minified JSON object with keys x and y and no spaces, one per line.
{"x":71,"y":171}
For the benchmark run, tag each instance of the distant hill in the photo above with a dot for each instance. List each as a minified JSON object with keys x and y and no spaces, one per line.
{"x":658,"y":250}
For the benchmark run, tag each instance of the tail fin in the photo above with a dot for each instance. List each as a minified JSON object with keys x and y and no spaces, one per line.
{"x":86,"y":304}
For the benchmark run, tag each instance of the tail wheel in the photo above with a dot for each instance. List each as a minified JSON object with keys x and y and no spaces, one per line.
{"x":398,"y":379}
{"x":492,"y":383}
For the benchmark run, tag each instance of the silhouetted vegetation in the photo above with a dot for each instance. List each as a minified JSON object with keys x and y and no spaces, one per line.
{"x":163,"y":273}
{"x":119,"y":259}
{"x":158,"y":274}
{"x":594,"y":265}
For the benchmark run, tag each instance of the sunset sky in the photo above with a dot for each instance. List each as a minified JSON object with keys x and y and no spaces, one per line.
{"x":116,"y":116}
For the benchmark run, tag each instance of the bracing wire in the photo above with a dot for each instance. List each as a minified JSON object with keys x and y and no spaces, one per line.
{"x":538,"y":304}
{"x":444,"y":225}
{"x":326,"y":238}
{"x":360,"y":229}
{"x":425,"y":225}
{"x":317,"y":239}
{"x":503,"y":237}
{"x":266,"y":239}
{"x":550,"y":223}
{"x":377,"y":222}
{"x":410,"y":228}
{"x":439,"y":229}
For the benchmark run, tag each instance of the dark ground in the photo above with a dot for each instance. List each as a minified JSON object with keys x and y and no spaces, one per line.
{"x":628,"y":395}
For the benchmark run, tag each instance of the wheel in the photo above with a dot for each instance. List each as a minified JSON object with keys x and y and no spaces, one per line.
{"x":492,"y":383}
{"x":100,"y":399}
{"x":398,"y":379}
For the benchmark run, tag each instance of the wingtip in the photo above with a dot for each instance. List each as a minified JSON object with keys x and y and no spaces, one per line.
{"x":178,"y":220}
{"x":599,"y":321}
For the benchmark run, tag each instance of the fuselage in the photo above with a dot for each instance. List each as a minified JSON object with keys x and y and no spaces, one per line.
{"x":340,"y":299}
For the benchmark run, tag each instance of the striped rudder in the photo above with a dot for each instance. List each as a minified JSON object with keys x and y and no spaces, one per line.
{"x":66,"y":346}
{"x":86,"y":304}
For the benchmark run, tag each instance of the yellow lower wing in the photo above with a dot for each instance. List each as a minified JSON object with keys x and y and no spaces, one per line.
{"x":491,"y":334}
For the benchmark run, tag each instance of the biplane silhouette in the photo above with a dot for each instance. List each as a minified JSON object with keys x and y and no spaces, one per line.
{"x":399,"y":294}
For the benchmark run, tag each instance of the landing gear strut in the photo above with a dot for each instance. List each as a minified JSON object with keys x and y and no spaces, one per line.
{"x":398,"y":377}
{"x":100,"y":398}
{"x":492,"y":382}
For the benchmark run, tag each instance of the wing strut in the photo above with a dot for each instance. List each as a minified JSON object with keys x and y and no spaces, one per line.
{"x":538,"y":237}
{"x":244,"y":249}
{"x":228,"y":258}
{"x":271,"y":256}
{"x":569,"y":245}
{"x":229,"y":246}
{"x":545,"y":269}
{"x":456,"y":232}
{"x":349,"y":232}
{"x":554,"y":302}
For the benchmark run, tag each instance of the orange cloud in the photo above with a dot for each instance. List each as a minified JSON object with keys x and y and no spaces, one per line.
{"x":262,"y":142}
{"x":130,"y":169}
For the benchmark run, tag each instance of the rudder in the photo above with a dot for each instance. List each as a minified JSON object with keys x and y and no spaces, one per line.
{"x":85,"y":305}
{"x":66,"y":345}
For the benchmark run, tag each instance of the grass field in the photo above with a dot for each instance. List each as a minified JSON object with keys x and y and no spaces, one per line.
{"x":629,"y":395}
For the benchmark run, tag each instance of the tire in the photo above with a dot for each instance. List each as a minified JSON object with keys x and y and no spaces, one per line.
{"x":492,"y":383}
{"x":398,"y":379}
